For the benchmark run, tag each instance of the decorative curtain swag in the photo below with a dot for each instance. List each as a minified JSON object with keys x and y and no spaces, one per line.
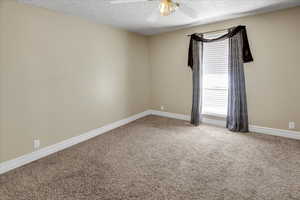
{"x":247,"y":56}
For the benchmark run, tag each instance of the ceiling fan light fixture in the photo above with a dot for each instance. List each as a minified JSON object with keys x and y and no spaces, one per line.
{"x":166,"y":7}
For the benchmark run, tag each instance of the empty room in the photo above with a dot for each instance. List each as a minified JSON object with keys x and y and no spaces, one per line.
{"x":149,"y":99}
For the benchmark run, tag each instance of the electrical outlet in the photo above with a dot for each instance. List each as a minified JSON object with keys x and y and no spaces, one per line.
{"x":162,"y":107}
{"x":292,"y":125}
{"x":36,"y":144}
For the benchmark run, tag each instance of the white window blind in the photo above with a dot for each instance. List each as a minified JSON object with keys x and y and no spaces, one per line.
{"x":215,"y":76}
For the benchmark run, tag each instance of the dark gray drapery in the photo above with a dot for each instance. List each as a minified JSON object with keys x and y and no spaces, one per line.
{"x":196,"y":105}
{"x":239,"y":53}
{"x":237,"y":114}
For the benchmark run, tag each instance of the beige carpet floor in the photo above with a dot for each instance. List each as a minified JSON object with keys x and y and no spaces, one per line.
{"x":158,"y":158}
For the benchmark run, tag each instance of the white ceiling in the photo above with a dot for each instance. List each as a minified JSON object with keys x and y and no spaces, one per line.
{"x":133,"y":16}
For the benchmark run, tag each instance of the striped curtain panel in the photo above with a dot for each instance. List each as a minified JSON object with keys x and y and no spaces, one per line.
{"x":197,"y":48}
{"x":237,"y":114}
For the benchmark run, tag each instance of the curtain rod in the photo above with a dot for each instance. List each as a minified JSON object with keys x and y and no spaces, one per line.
{"x":211,"y":31}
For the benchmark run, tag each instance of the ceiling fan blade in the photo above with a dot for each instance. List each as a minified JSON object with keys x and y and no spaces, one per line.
{"x":188,"y":11}
{"x":126,"y":1}
{"x":154,"y":16}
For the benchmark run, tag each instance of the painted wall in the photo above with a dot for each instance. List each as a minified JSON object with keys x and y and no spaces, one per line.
{"x":61,"y":76}
{"x":272,"y":80}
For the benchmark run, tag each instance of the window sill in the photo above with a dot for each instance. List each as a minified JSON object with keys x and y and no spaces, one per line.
{"x":214,"y":115}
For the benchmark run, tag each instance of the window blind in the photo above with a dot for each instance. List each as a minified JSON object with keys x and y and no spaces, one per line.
{"x":215,"y":76}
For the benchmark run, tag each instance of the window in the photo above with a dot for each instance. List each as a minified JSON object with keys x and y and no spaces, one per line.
{"x":215,"y":76}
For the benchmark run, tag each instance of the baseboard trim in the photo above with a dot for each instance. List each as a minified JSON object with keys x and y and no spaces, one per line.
{"x":33,"y":156}
{"x":188,"y":118}
{"x":215,"y":122}
{"x":275,"y":132}
{"x":27,"y":158}
{"x":170,"y":115}
{"x":222,"y":123}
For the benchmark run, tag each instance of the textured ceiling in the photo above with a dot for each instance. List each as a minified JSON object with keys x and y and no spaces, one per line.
{"x":133,"y":16}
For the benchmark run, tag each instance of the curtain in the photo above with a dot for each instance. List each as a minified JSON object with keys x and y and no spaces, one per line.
{"x":196,"y":104}
{"x":246,"y":52}
{"x":239,"y":53}
{"x":237,"y":114}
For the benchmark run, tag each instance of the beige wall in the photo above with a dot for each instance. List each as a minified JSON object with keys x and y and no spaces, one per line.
{"x":273,"y":84}
{"x":61,"y":76}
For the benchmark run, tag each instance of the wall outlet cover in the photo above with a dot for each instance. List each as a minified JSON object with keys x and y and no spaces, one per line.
{"x":36,"y":144}
{"x":292,"y":125}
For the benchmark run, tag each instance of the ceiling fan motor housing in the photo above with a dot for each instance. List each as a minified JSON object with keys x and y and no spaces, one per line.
{"x":166,"y":7}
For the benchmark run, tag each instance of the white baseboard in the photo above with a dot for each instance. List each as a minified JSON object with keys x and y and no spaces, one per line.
{"x":27,"y":158}
{"x":170,"y":115}
{"x":188,"y":118}
{"x":215,"y":122}
{"x":222,"y":123}
{"x":276,"y":132}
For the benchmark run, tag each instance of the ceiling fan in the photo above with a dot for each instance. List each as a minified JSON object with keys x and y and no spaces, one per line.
{"x":165,"y":8}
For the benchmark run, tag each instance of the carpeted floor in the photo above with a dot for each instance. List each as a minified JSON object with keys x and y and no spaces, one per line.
{"x":158,"y":158}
